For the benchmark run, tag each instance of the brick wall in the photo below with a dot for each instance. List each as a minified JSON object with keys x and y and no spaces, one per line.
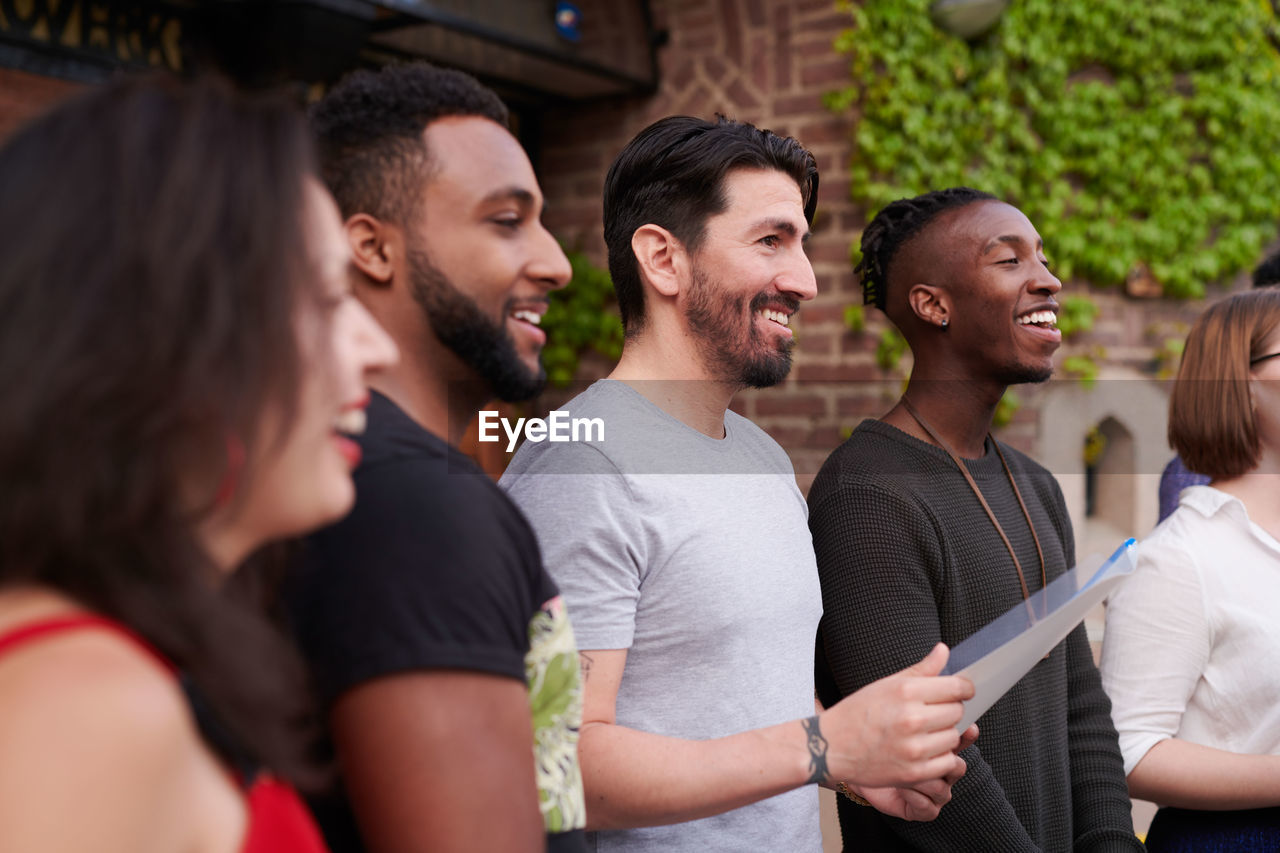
{"x":769,"y":62}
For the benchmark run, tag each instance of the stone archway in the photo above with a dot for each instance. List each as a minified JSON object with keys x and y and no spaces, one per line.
{"x":1131,"y":411}
{"x":1111,"y":514}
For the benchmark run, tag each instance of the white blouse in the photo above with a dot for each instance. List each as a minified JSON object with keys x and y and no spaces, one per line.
{"x":1192,"y":644}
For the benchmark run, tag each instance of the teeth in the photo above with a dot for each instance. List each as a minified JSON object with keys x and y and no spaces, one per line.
{"x":1037,"y":317}
{"x":776,"y":316}
{"x":528,"y":316}
{"x":350,"y":422}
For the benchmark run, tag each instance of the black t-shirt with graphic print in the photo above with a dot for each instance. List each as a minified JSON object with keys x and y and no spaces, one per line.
{"x":436,"y":568}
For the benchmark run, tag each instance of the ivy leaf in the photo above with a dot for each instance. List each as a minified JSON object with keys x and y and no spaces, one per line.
{"x":1076,"y":315}
{"x":1006,"y":409}
{"x":581,"y":317}
{"x":890,"y":349}
{"x":855,"y":318}
{"x":1082,"y":367}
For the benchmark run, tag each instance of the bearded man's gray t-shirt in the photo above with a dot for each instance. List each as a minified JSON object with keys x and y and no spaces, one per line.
{"x":694,"y":555}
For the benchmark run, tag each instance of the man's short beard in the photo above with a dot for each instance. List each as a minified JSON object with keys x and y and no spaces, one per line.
{"x":458,"y":323}
{"x":727,"y":352}
{"x":1021,"y":374}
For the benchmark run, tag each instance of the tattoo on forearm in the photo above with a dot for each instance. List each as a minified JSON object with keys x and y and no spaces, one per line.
{"x":584,"y":666}
{"x":817,"y":750}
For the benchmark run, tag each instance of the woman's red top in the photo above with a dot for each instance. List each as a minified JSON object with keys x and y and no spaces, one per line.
{"x":278,"y":820}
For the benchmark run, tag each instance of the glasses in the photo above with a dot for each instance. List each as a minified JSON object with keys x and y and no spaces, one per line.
{"x":1263,"y":358}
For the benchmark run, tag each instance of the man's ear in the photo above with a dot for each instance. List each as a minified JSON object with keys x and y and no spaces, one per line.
{"x":661,"y":257}
{"x":931,"y":303}
{"x":375,"y":247}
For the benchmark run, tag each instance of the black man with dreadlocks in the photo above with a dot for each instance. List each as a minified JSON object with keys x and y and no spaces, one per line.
{"x":926,"y":528}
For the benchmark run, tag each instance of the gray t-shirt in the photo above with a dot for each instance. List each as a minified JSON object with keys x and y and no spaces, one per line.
{"x":694,"y":555}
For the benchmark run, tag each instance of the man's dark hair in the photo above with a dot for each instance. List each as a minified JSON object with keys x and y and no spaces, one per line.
{"x":672,"y":175}
{"x":369,"y":128}
{"x":893,"y":226}
{"x":1267,"y":273}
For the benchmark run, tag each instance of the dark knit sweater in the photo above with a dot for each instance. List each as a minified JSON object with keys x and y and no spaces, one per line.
{"x":908,"y":557}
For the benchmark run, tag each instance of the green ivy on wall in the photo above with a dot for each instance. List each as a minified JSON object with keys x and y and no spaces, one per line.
{"x":1135,"y":136}
{"x":581,"y":317}
{"x":1006,"y":409}
{"x":1076,"y":314}
{"x":890,"y":349}
{"x":1169,"y":339}
{"x":1084,"y":367}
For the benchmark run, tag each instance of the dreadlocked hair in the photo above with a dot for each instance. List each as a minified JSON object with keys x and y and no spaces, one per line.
{"x":1267,"y":273}
{"x":897,"y":223}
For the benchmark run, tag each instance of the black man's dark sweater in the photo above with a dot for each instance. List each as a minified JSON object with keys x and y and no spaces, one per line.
{"x":907,"y":557}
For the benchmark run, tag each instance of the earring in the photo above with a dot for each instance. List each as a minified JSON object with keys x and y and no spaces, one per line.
{"x":944,"y":323}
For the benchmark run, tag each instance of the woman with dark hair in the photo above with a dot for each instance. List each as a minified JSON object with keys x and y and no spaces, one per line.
{"x":1191,"y":657}
{"x":180,"y":356}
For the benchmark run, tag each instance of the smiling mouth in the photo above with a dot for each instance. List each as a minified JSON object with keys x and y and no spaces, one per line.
{"x":1039,"y":319}
{"x":347,"y":425}
{"x":351,"y":422}
{"x":528,"y":316}
{"x":776,"y":316}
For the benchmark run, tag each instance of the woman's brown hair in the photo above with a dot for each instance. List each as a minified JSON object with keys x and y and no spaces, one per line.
{"x":154,"y":256}
{"x":1211,"y":420}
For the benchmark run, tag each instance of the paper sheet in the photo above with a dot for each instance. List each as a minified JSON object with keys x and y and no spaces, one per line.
{"x":995,"y":657}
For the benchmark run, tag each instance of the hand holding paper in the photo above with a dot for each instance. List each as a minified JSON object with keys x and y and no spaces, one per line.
{"x":900,"y":730}
{"x":997,"y":656}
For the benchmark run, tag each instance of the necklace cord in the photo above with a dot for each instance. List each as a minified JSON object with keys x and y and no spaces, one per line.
{"x":1017,"y":564}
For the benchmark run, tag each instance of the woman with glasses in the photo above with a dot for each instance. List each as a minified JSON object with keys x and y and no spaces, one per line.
{"x":1191,"y":655}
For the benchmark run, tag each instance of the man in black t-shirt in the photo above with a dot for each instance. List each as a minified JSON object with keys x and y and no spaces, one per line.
{"x":438,"y":642}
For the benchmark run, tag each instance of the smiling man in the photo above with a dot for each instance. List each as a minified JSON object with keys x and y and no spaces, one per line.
{"x":680,"y":540}
{"x":926,"y":528}
{"x":439,"y":644}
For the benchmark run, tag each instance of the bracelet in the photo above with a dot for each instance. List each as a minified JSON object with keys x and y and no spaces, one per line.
{"x":848,"y":792}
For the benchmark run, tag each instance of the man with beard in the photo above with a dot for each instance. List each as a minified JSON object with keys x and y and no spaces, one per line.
{"x":926,"y":528}
{"x":679,"y":539}
{"x":439,"y":644}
